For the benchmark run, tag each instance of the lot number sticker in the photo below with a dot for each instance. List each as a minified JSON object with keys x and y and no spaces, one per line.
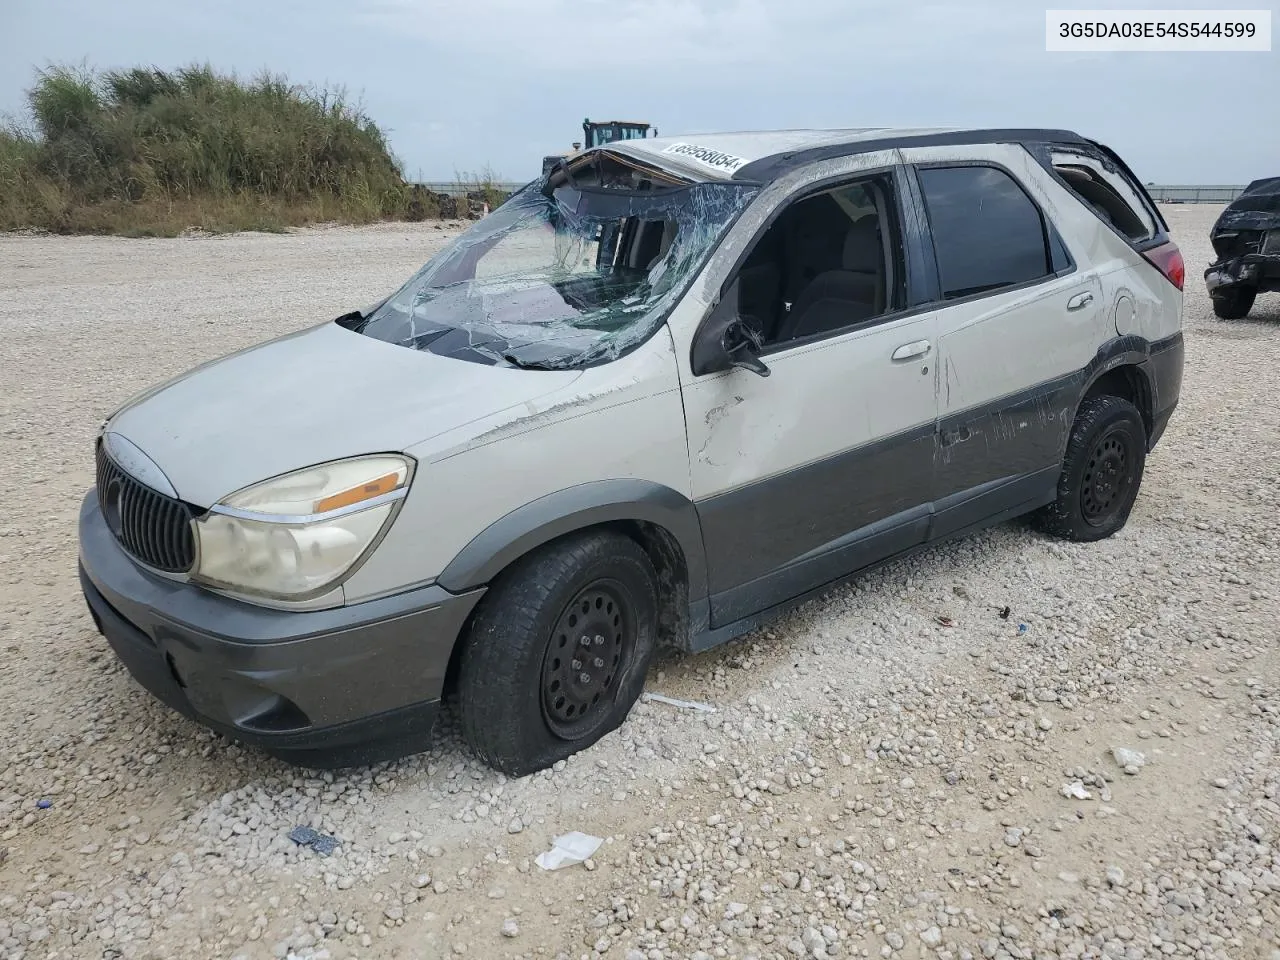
{"x":724,"y":162}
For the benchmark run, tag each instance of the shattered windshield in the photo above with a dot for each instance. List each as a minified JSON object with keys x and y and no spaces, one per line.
{"x":556,"y":279}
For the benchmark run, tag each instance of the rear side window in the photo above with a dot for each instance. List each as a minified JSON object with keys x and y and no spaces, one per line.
{"x":987,"y":233}
{"x":1107,"y":193}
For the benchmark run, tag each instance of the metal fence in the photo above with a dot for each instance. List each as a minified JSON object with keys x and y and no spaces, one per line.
{"x":1160,"y":193}
{"x":1194,"y":194}
{"x":456,"y":188}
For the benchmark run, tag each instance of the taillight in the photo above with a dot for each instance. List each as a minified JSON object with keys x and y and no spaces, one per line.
{"x":1167,"y":258}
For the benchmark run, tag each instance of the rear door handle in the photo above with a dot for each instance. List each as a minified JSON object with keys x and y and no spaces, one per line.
{"x":1080,"y":301}
{"x":909,"y":351}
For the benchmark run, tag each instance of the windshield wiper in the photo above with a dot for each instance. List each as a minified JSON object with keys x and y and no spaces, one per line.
{"x":515,"y":361}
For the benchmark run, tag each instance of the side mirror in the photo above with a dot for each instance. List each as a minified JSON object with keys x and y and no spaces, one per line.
{"x":726,"y":340}
{"x":742,"y":343}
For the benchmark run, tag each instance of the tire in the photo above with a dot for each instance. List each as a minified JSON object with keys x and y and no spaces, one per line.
{"x":522,"y":701}
{"x":1101,"y":472}
{"x":1234,"y":304}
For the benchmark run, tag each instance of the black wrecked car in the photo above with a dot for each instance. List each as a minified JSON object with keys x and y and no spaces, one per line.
{"x":1246,"y":238}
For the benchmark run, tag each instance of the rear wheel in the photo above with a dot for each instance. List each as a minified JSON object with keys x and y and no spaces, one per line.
{"x":1234,"y":304}
{"x":1101,"y":472}
{"x":557,"y":652}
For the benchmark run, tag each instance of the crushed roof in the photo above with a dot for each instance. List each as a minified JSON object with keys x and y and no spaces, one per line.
{"x":721,"y":156}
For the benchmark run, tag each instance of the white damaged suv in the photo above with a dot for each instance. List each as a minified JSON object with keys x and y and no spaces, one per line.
{"x":667,"y":391}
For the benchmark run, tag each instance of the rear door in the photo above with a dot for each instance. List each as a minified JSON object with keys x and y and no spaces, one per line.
{"x":1020,"y":318}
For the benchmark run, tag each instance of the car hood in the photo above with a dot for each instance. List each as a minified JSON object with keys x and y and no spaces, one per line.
{"x":318,"y":395}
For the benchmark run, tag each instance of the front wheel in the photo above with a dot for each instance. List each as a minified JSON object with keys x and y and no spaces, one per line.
{"x":558,"y":651}
{"x":1234,"y":304}
{"x":1101,"y":472}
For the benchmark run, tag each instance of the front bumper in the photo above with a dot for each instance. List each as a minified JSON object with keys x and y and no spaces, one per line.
{"x":323,"y":688}
{"x":1251,"y":270}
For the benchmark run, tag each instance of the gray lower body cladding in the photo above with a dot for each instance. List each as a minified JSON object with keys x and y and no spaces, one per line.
{"x":776,"y":539}
{"x":362,"y":683}
{"x":323,"y":688}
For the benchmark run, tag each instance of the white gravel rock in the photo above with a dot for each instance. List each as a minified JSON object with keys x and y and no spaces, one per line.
{"x":857,"y":788}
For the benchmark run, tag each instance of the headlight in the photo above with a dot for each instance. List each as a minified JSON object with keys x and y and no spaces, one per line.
{"x":297,"y":535}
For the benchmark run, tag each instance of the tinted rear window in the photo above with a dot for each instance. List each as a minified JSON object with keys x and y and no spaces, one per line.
{"x":987,"y":233}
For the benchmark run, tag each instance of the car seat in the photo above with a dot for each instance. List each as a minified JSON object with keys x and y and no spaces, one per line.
{"x":838,"y":298}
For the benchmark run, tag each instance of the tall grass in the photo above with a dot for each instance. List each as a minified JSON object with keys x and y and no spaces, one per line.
{"x":154,"y":151}
{"x":482,"y":186}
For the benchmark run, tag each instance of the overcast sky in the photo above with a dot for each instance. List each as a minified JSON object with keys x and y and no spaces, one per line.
{"x":464,"y":84}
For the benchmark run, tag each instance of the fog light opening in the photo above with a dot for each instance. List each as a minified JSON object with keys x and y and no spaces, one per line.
{"x":276,"y":715}
{"x":173,"y":669}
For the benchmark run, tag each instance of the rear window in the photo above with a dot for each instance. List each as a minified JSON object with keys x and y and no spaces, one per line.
{"x":987,"y":234}
{"x":1107,"y":193}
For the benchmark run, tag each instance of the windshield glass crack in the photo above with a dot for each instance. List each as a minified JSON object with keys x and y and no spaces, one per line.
{"x":564,"y":277}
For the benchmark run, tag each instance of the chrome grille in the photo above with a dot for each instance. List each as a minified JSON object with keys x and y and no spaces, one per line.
{"x":152,"y":527}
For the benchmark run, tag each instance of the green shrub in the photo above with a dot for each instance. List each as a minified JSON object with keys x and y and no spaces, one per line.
{"x":140,"y":150}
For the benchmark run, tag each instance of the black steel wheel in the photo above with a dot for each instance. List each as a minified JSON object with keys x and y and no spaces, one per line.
{"x":1101,"y":471}
{"x":589,"y":648}
{"x":1107,"y":477}
{"x":557,"y":651}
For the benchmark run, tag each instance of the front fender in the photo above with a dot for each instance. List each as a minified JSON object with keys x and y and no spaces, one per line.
{"x":575,"y":508}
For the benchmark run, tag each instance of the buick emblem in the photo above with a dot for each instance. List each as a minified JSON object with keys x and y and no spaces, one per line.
{"x":111,"y":505}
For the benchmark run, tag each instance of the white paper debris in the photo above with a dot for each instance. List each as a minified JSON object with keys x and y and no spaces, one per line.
{"x":1075,"y":791}
{"x":569,"y":849}
{"x":1128,"y":758}
{"x":686,"y":704}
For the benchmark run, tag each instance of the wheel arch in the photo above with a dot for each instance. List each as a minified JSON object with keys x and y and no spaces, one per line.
{"x":661,"y":520}
{"x":641,"y":505}
{"x":1120,"y":369}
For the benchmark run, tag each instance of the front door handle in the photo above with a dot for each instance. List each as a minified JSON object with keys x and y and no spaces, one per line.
{"x":1080,"y":301}
{"x":909,"y":351}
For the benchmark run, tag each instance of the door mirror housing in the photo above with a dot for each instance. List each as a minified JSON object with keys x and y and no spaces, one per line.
{"x":727,"y":340}
{"x":742,"y":342}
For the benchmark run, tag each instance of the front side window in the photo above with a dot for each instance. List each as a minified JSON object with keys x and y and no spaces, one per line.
{"x":561,"y":280}
{"x":987,"y":234}
{"x":830,"y":261}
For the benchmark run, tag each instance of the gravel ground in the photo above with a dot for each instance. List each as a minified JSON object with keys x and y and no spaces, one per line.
{"x":873,"y":783}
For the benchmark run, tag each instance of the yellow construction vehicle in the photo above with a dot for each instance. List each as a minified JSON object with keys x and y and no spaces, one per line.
{"x":596,"y":133}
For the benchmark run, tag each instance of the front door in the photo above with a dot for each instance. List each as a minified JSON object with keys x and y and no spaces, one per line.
{"x":825,"y":465}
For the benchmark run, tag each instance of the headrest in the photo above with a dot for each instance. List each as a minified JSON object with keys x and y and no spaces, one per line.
{"x":862,"y":250}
